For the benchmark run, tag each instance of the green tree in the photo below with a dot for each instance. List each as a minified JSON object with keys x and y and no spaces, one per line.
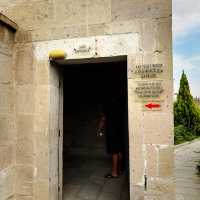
{"x":186,"y":112}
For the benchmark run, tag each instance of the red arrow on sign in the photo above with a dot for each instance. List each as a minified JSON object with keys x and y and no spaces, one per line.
{"x":151,"y":105}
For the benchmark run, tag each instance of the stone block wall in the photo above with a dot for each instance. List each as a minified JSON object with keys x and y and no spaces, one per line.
{"x":32,"y":82}
{"x":7,"y":114}
{"x":32,"y":111}
{"x":56,"y":19}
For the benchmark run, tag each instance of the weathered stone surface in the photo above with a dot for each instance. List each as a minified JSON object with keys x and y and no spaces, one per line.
{"x":41,"y":124}
{"x":41,"y":154}
{"x":24,"y":180}
{"x":23,"y":197}
{"x":24,"y":151}
{"x":126,"y":26}
{"x":8,"y":22}
{"x":54,"y":77}
{"x":7,"y":108}
{"x":41,"y":72}
{"x":25,"y":126}
{"x":41,"y":99}
{"x":54,"y":106}
{"x":7,"y":156}
{"x":137,"y":192}
{"x":25,"y":17}
{"x":99,"y":11}
{"x":96,"y":29}
{"x":6,"y":39}
{"x":166,"y":162}
{"x":126,"y":10}
{"x":25,"y":100}
{"x":7,"y":98}
{"x":136,"y":158}
{"x":6,"y":75}
{"x":7,"y":127}
{"x":44,"y":12}
{"x":152,"y":158}
{"x":160,"y":189}
{"x":24,"y":67}
{"x":71,"y":12}
{"x":7,"y":183}
{"x":53,"y":187}
{"x":154,"y":132}
{"x":158,"y":30}
{"x":41,"y":190}
{"x":29,"y":88}
{"x":24,"y":36}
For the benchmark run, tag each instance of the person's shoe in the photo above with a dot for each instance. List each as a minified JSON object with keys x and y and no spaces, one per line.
{"x":110,"y":176}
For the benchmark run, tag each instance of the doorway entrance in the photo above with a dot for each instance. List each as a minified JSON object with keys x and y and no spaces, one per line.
{"x":88,"y":89}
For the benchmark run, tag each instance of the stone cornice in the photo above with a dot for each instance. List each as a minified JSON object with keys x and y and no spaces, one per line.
{"x":8,"y":23}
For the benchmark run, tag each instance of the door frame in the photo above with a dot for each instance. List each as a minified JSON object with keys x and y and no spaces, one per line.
{"x":61,"y":107}
{"x":60,"y":138}
{"x":102,"y":48}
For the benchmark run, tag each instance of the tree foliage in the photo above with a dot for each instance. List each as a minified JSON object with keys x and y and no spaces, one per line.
{"x":182,"y":134}
{"x":186,"y":112}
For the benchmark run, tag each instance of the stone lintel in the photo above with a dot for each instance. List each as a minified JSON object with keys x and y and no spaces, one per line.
{"x":8,"y":23}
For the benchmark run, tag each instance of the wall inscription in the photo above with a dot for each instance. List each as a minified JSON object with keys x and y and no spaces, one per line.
{"x":82,"y":49}
{"x":149,"y":89}
{"x":148,"y":70}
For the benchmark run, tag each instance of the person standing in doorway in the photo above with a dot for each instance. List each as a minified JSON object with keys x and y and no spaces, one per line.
{"x":111,"y":124}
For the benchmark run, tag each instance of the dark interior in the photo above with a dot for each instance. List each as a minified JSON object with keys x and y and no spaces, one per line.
{"x":87,"y":88}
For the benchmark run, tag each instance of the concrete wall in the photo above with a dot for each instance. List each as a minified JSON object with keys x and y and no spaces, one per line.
{"x":7,"y":114}
{"x":151,"y":144}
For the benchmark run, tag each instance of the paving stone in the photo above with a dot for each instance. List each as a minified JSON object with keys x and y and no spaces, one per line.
{"x":187,"y":180}
{"x":97,"y":180}
{"x":108,"y":196}
{"x":70,"y":191}
{"x":88,"y":183}
{"x":89,"y":192}
{"x":113,"y":186}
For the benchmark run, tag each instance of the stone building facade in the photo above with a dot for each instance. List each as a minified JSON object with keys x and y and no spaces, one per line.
{"x":31,"y":99}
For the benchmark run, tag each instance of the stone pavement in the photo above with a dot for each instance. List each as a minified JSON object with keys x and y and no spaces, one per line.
{"x":187,"y":180}
{"x":84,"y":180}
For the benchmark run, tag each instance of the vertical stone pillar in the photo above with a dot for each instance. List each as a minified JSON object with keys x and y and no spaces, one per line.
{"x":25,"y":108}
{"x":136,"y":138}
{"x":41,"y":129}
{"x":54,"y":133}
{"x":32,"y":112}
{"x":150,"y":87}
{"x":7,"y":114}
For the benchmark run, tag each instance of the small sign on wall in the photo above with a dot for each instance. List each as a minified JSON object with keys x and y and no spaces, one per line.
{"x":149,"y":89}
{"x":150,"y":94}
{"x":152,"y":105}
{"x":147,"y":71}
{"x":82,"y":49}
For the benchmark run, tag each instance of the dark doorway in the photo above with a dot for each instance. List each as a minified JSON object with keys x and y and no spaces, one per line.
{"x":87,"y":90}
